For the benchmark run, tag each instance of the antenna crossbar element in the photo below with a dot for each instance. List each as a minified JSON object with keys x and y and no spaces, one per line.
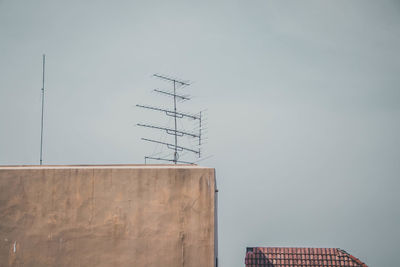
{"x":171,"y":112}
{"x":172,"y":94}
{"x":169,"y":130}
{"x":171,"y":160}
{"x":171,"y":146}
{"x":171,"y":79}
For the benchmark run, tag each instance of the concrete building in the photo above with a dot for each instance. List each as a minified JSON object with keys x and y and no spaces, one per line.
{"x":115,"y":215}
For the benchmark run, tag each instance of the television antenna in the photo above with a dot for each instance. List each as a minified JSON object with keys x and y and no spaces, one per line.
{"x":42,"y":115}
{"x":175,"y":131}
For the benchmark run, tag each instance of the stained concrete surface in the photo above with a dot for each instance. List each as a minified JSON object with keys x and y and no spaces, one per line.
{"x":107,"y":216}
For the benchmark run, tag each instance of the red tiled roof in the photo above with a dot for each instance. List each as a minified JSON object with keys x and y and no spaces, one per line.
{"x":296,"y":257}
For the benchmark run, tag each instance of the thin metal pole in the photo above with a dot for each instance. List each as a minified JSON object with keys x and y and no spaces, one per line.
{"x":176,"y":136}
{"x":200,"y":129}
{"x":199,"y":134}
{"x":41,"y":130}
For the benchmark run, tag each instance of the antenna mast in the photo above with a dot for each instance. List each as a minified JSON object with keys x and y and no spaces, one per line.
{"x":41,"y":126}
{"x":176,"y":136}
{"x":174,"y":131}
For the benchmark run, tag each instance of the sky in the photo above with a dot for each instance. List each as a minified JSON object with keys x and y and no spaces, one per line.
{"x":302,"y":100}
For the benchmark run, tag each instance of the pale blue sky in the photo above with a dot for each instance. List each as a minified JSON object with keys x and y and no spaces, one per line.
{"x":303,"y":104}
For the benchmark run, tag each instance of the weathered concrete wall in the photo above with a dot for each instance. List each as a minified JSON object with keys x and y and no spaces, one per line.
{"x":107,"y":216}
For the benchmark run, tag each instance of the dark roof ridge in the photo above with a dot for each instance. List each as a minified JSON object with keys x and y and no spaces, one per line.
{"x":354,"y":259}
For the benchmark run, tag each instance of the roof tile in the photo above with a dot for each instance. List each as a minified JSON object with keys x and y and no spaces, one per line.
{"x":293,"y":257}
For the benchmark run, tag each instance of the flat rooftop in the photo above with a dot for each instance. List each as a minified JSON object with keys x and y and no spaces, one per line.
{"x":105,"y":166}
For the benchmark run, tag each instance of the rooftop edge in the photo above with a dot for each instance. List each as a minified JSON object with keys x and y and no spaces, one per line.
{"x":104,"y":166}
